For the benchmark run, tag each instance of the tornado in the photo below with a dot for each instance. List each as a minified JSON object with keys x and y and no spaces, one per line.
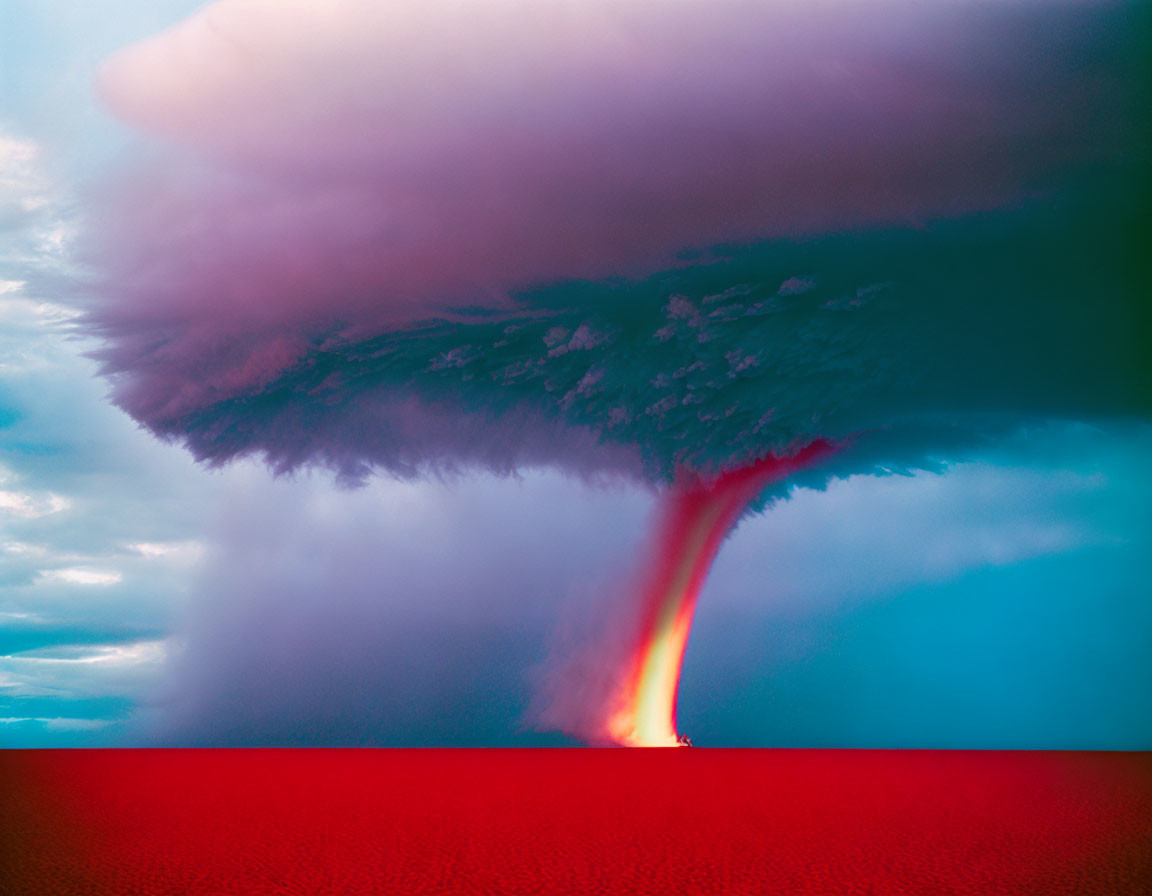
{"x":693,"y":520}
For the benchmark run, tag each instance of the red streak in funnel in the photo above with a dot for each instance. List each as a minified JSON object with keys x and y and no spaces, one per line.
{"x":695,"y":518}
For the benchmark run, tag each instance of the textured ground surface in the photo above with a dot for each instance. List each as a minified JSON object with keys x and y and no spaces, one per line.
{"x":574,"y":821}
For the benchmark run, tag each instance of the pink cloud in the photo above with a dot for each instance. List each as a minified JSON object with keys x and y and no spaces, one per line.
{"x":427,"y":152}
{"x":339,"y":169}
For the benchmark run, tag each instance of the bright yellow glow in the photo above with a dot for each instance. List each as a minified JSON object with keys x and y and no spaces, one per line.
{"x":694,"y":521}
{"x":647,"y":717}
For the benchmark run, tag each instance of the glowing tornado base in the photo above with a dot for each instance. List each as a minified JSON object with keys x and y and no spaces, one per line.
{"x":695,"y":518}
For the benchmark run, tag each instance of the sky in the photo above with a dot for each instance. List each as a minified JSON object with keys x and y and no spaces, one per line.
{"x":344,"y":363}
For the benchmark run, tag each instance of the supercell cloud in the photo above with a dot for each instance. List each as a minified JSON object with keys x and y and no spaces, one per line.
{"x":624,"y":236}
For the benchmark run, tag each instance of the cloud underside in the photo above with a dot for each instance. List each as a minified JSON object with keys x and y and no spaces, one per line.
{"x":903,"y":342}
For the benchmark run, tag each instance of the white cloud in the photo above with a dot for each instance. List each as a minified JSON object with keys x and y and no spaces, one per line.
{"x":123,"y":669}
{"x":107,"y":654}
{"x":34,"y":334}
{"x":869,"y":535}
{"x":23,"y":549}
{"x":80,"y":576}
{"x":22,"y":182}
{"x":17,"y":307}
{"x":62,"y":724}
{"x":177,"y":551}
{"x":32,"y":234}
{"x":17,"y":616}
{"x":28,"y":504}
{"x":32,"y":506}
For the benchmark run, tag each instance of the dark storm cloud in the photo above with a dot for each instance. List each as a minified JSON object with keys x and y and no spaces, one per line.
{"x":976,"y":172}
{"x":919,"y":337}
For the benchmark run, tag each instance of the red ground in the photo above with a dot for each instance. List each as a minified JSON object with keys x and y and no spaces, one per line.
{"x":574,"y":821}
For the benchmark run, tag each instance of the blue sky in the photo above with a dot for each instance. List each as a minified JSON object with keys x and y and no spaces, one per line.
{"x":1000,"y":602}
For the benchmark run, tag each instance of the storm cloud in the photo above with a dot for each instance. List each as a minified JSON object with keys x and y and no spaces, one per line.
{"x":627,"y":237}
{"x":634,"y":243}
